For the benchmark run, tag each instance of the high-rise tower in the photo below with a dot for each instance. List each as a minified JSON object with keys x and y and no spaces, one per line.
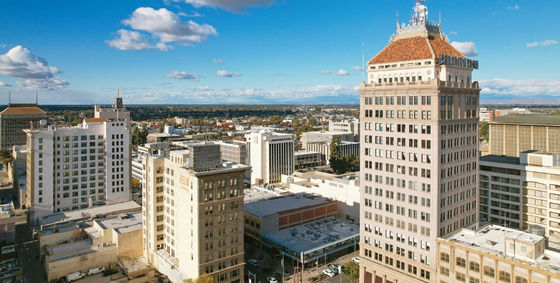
{"x":419,"y":152}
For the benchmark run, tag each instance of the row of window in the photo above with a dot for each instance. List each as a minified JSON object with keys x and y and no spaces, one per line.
{"x":401,"y":100}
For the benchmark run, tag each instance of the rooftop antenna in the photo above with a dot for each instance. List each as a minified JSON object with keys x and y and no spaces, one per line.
{"x":363,"y":64}
{"x":9,"y":98}
{"x":117,"y":105}
{"x":440,"y":18}
{"x":36,"y":99}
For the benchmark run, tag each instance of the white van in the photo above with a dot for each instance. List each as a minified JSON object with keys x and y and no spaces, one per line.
{"x":75,"y":276}
{"x":95,"y":270}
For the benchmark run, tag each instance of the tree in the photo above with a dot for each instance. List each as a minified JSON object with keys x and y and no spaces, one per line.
{"x":351,"y":271}
{"x":136,"y":135}
{"x":484,"y":131}
{"x":338,"y":164}
{"x":161,"y":127}
{"x":143,"y":134}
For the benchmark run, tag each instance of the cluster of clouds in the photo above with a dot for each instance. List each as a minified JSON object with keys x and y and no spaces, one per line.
{"x":467,"y":48}
{"x":542,"y":43}
{"x":33,"y":72}
{"x":163,"y":26}
{"x":205,"y":94}
{"x":236,"y":6}
{"x":520,"y":87}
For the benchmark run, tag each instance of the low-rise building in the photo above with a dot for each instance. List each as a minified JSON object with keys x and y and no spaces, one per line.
{"x":494,"y":254}
{"x":350,"y":126}
{"x":7,"y":225}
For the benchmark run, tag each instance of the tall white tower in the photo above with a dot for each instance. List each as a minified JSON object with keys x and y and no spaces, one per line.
{"x":418,"y":151}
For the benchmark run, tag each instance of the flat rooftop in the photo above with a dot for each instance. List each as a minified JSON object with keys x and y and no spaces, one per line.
{"x":110,"y":209}
{"x":500,"y":159}
{"x":282,"y":203}
{"x":123,"y":225}
{"x":529,"y":119}
{"x":316,"y":235}
{"x":492,"y":239}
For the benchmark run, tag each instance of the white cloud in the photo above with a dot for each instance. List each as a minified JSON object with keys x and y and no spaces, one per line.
{"x":218,"y":61}
{"x":453,"y":32}
{"x":342,"y":72}
{"x":133,"y":40}
{"x":168,"y":26}
{"x":547,"y":42}
{"x":516,"y":7}
{"x":236,"y":6}
{"x":521,"y":87}
{"x":357,"y":68}
{"x":467,"y":48}
{"x":164,"y":26}
{"x":227,"y":74}
{"x":183,"y":76}
{"x":5,"y":84}
{"x":2,"y":45}
{"x":33,"y":70}
{"x":326,"y":72}
{"x":161,"y":84}
{"x":195,"y":15}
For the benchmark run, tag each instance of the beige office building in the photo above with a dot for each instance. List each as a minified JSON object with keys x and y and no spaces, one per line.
{"x":522,"y":192}
{"x":513,"y":134}
{"x":419,"y":145}
{"x":16,"y":118}
{"x":496,"y":254}
{"x":193,"y":214}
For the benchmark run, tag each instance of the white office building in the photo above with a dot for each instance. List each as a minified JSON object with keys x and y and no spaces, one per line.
{"x":77,"y":167}
{"x":271,"y":155}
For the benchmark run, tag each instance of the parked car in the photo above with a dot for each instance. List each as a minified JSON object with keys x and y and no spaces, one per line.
{"x":95,"y":270}
{"x":75,"y":276}
{"x":356,"y":259}
{"x":329,"y":272}
{"x":271,"y":280}
{"x":110,"y":272}
{"x":253,"y":262}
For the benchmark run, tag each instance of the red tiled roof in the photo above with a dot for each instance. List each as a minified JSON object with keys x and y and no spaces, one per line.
{"x":442,"y":47}
{"x":414,"y":48}
{"x":23,"y":110}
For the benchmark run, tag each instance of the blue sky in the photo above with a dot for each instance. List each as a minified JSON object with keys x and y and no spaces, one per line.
{"x":257,"y":51}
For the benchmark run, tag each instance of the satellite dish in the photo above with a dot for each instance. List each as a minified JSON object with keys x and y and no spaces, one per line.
{"x":43,"y":122}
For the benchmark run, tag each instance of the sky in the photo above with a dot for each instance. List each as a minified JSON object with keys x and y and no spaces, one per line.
{"x":257,"y":51}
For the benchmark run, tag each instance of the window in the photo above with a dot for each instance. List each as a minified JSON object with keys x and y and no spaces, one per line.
{"x":460,"y":276}
{"x":474,"y":266}
{"x":461,"y":262}
{"x":505,"y":276}
{"x":519,"y":279}
{"x":489,"y":271}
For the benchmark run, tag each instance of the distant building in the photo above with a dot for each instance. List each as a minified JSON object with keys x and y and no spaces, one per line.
{"x":16,"y":118}
{"x":306,"y":159}
{"x":112,"y":113}
{"x":235,"y":151}
{"x":522,"y":192}
{"x":351,"y":126}
{"x":271,"y":155}
{"x":78,"y":167}
{"x":193,"y":221}
{"x":494,"y":254}
{"x":7,"y":225}
{"x":160,"y":137}
{"x":512,"y":134}
{"x":324,"y":137}
{"x":345,"y":148}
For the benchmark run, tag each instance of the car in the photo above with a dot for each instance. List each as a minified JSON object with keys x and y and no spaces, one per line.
{"x":75,"y":276}
{"x":356,"y":259}
{"x":333,"y":269}
{"x":253,"y":262}
{"x":110,"y":272}
{"x":271,"y":280}
{"x":95,"y":270}
{"x":267,"y":270}
{"x":336,"y":267}
{"x":329,"y":272}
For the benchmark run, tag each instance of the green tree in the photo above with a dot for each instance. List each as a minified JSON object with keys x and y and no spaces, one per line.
{"x":206,"y":278}
{"x":6,"y":161}
{"x":161,"y":127}
{"x":143,"y":134}
{"x":484,"y":131}
{"x":351,"y":271}
{"x":337,"y":163}
{"x":136,"y":135}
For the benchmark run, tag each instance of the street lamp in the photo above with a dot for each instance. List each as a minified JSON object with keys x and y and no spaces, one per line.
{"x":282,"y":263}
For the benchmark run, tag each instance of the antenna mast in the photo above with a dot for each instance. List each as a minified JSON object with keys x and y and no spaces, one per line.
{"x":116,"y":104}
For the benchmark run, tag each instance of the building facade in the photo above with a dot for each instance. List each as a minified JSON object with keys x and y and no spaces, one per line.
{"x":16,"y":118}
{"x":419,"y":145}
{"x":513,"y":134}
{"x":270,"y":155}
{"x":117,"y":112}
{"x":350,"y":126}
{"x":77,"y":167}
{"x":496,"y":254}
{"x":522,"y":192}
{"x":193,"y":214}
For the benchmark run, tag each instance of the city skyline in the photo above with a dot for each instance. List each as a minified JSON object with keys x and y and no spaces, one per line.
{"x":256,"y":51}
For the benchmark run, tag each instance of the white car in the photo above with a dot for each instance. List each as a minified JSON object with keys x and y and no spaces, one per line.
{"x":271,"y":280}
{"x":329,"y":273}
{"x":356,"y":259}
{"x":95,"y":270}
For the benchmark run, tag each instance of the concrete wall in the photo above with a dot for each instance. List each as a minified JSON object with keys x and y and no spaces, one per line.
{"x":129,"y":244}
{"x":81,"y":263}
